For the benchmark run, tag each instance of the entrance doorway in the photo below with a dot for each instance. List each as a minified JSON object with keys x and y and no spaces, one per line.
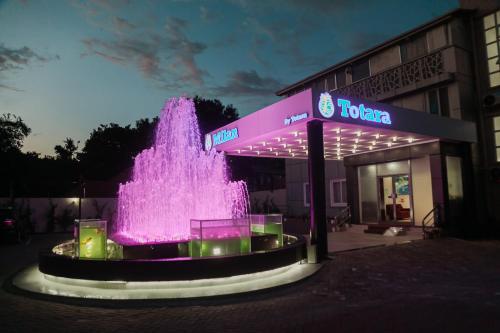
{"x":395,"y":198}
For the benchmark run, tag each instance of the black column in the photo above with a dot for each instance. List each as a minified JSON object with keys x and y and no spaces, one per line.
{"x":316,"y":168}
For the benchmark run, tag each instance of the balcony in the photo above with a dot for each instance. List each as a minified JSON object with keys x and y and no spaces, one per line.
{"x":423,"y":71}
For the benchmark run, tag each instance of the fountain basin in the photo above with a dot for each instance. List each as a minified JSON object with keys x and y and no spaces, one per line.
{"x":174,"y":269}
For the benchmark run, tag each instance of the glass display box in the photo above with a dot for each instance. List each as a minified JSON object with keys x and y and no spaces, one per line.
{"x":271,"y":224}
{"x":210,"y":238}
{"x":91,"y":239}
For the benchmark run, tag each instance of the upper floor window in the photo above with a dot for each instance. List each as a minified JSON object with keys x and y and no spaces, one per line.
{"x":496,"y":131}
{"x":413,"y":47}
{"x":330,"y":83}
{"x":360,"y":70}
{"x":438,"y":103}
{"x":491,"y":35}
{"x":340,"y":78}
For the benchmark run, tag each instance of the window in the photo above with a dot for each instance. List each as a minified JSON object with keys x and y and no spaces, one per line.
{"x":330,"y":83}
{"x":491,"y":35}
{"x":338,"y":192}
{"x":496,"y":132}
{"x":438,"y":103}
{"x":340,"y":76}
{"x":413,"y":48}
{"x":360,"y":70}
{"x":307,"y":195}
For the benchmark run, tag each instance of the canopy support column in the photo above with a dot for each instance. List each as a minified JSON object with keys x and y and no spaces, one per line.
{"x":316,"y":169}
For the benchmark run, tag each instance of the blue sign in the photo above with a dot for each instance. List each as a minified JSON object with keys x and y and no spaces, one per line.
{"x":223,"y":136}
{"x":349,"y":109}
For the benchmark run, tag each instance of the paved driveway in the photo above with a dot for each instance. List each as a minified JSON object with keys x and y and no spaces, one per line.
{"x":426,"y":286}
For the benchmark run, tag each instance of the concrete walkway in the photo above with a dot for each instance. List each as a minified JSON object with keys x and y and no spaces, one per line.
{"x":355,"y":238}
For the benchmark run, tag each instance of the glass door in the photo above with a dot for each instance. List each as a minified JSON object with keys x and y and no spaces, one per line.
{"x":394,"y":198}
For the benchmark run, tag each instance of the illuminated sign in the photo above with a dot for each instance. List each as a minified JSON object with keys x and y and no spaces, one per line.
{"x":362,"y":112}
{"x":348,"y":109}
{"x":294,"y":118}
{"x":220,"y":137}
{"x":325,"y":105}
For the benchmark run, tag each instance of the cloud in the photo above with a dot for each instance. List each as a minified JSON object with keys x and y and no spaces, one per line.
{"x":285,"y":38}
{"x":184,"y":50}
{"x":248,"y":83}
{"x":16,"y":59}
{"x":122,"y":25}
{"x":143,"y":54}
{"x":208,"y":15}
{"x":11,"y":59}
{"x":168,"y":57}
{"x":6,"y":87}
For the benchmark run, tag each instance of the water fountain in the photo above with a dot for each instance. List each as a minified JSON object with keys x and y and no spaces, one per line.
{"x":182,"y":230}
{"x":174,"y":182}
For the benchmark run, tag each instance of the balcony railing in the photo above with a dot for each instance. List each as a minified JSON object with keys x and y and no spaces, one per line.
{"x":388,"y":81}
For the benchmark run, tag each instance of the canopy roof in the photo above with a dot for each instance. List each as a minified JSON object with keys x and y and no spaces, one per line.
{"x":351,"y":126}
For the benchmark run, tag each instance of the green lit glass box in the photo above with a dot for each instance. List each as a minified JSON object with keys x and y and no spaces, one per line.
{"x":271,"y":224}
{"x":91,"y":239}
{"x":210,"y":238}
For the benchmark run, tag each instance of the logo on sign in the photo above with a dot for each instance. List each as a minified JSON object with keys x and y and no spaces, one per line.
{"x":325,"y":105}
{"x":295,"y":118}
{"x":208,"y":142}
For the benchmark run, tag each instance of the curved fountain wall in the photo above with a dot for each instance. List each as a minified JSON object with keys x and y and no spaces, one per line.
{"x":175,"y":181}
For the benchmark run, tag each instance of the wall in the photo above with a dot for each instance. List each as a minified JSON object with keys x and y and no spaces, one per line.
{"x":40,"y":207}
{"x":278,"y":197}
{"x":417,"y":102}
{"x":421,"y":187}
{"x":296,"y":176}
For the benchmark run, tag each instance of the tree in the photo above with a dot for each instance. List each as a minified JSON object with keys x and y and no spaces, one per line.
{"x":111,"y":148}
{"x":212,"y":114}
{"x":68,"y":151}
{"x":13,"y":131}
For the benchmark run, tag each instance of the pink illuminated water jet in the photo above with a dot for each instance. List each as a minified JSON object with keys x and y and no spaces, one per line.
{"x":175,"y":181}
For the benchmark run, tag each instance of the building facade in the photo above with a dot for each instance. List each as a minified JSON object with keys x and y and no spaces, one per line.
{"x":448,"y":67}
